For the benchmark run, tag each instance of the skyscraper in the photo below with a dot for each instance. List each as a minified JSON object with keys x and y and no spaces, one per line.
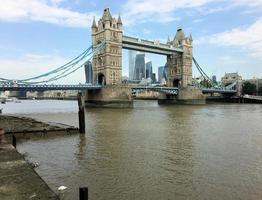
{"x":132,"y":59}
{"x":162,"y":73}
{"x":89,"y":72}
{"x":140,"y":67}
{"x":149,"y":70}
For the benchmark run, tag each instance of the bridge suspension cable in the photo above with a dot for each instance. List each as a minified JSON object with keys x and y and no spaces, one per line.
{"x":63,"y":70}
{"x":203,"y":74}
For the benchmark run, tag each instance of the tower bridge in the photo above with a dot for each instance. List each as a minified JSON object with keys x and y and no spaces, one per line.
{"x":106,"y":56}
{"x":107,"y":65}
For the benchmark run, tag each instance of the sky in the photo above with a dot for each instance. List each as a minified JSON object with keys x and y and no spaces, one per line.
{"x":40,"y":35}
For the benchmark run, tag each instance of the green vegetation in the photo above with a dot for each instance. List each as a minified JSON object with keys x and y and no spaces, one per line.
{"x":205,"y":83}
{"x":260,"y":91}
{"x":249,"y":88}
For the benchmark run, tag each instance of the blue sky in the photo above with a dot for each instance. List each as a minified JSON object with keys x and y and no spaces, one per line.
{"x":38,"y":35}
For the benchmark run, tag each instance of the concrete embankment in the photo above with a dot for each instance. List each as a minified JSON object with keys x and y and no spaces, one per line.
{"x":18,"y":179}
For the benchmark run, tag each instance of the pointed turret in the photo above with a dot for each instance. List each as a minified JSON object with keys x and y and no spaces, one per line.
{"x":180,"y":35}
{"x":94,"y":23}
{"x":106,"y":15}
{"x":119,"y":21}
{"x":190,"y":38}
{"x":168,"y":40}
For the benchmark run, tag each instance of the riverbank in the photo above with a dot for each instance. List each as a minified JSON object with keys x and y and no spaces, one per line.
{"x":18,"y":179}
{"x":17,"y":124}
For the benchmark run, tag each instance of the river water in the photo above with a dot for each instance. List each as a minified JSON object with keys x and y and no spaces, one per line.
{"x":151,"y":151}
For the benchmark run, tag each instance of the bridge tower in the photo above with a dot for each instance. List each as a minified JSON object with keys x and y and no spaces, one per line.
{"x":179,"y":73}
{"x":107,"y":66}
{"x":179,"y":66}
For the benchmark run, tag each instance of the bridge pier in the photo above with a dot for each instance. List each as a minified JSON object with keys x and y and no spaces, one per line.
{"x":187,"y":95}
{"x":110,"y":96}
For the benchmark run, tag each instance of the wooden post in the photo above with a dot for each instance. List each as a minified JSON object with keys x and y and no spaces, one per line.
{"x":14,"y":141}
{"x":81,"y":112}
{"x":83,"y":193}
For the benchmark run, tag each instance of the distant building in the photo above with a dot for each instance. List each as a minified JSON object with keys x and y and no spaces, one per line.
{"x":140,"y":67}
{"x":153,"y":77}
{"x":230,"y":78}
{"x":162,"y":73}
{"x":214,"y":78}
{"x":89,"y":72}
{"x":149,"y":69}
{"x":132,"y":59}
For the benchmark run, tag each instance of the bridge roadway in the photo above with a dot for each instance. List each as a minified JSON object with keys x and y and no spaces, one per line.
{"x":218,"y":90}
{"x":137,"y":88}
{"x":26,"y":87}
{"x":149,"y":46}
{"x":167,"y":90}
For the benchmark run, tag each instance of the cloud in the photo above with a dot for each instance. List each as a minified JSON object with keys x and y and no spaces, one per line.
{"x":30,"y":64}
{"x":142,"y":11}
{"x":249,"y":3}
{"x":248,"y":39}
{"x":40,"y":10}
{"x":152,"y":10}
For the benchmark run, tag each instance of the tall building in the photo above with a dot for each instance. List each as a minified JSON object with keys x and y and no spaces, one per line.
{"x":132,"y":59}
{"x":149,"y":70}
{"x":162,"y":73}
{"x":89,"y":72}
{"x":140,"y":67}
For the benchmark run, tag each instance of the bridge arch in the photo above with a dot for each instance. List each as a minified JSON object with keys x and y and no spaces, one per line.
{"x":176,"y":82}
{"x":101,"y":79}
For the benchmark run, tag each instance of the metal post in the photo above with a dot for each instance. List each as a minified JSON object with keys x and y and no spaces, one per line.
{"x":81,"y":113}
{"x":14,"y":141}
{"x":83,"y":193}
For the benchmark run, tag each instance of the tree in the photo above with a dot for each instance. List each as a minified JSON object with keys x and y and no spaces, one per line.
{"x":260,"y":91}
{"x":205,"y":83}
{"x":249,"y":88}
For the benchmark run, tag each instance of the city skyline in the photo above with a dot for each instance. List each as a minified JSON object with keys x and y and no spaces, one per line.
{"x":40,"y":35}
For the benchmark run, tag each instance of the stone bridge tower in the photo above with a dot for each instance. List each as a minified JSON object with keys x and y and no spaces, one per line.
{"x":107,"y":65}
{"x":179,"y":66}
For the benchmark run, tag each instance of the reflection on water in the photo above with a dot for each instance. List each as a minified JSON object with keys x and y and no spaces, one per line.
{"x":156,"y":152}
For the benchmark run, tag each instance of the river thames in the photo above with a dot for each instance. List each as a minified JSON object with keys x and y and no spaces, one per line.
{"x":151,"y":151}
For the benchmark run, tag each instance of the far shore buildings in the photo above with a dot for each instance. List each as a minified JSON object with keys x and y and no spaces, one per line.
{"x":230,"y":78}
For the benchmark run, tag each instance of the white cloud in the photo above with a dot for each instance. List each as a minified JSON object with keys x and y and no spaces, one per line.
{"x":249,"y":3}
{"x":39,"y":10}
{"x":249,"y":39}
{"x":141,"y":11}
{"x":30,"y":64}
{"x":138,"y":11}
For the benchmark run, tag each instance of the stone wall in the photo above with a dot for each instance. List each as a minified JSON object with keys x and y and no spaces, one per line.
{"x":110,"y":96}
{"x":186,"y":95}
